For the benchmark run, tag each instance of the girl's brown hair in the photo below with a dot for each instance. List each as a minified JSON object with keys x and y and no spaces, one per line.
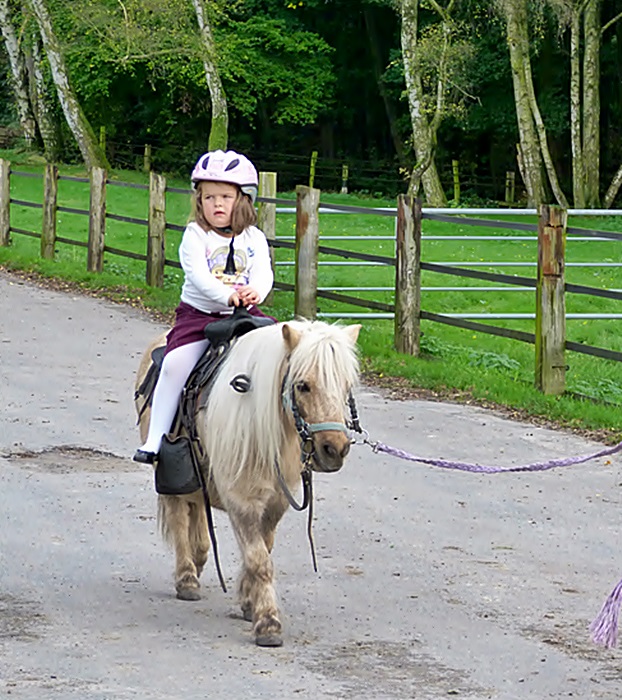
{"x":242,"y":216}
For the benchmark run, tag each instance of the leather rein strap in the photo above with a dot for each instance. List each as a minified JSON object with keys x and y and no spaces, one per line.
{"x":307,"y":450}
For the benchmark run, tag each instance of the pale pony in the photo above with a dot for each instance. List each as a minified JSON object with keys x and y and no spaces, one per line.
{"x":246,"y":436}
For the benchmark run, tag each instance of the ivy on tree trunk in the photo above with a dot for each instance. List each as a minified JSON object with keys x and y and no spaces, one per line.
{"x":19,"y":79}
{"x":424,"y":137}
{"x":515,"y":12}
{"x":591,"y":103}
{"x":79,"y":125}
{"x":219,"y":129}
{"x":42,"y":102}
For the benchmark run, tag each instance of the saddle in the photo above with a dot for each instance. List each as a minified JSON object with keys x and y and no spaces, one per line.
{"x":241,"y":321}
{"x":177,"y":467}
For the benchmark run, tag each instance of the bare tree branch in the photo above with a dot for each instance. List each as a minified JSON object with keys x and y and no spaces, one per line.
{"x":610,"y":23}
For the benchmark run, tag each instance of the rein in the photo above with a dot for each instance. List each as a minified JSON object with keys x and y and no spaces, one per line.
{"x":307,"y":450}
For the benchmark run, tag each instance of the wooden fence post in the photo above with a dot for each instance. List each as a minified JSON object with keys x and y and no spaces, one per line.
{"x":50,"y":198}
{"x":550,"y":301}
{"x":509,"y":186}
{"x":156,"y":235}
{"x":5,"y":202}
{"x":97,"y":221}
{"x":456,"y":176}
{"x":147,"y":158}
{"x":408,"y":276}
{"x":307,"y":243}
{"x":312,"y":168}
{"x":344,"y":179}
{"x":266,"y":215}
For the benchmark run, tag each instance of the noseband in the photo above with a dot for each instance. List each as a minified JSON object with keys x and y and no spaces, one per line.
{"x":306,"y":430}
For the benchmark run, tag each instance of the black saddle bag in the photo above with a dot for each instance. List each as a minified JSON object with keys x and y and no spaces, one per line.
{"x":175,"y":474}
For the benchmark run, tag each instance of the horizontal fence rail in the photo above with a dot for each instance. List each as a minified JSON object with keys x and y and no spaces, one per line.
{"x":311,"y":253}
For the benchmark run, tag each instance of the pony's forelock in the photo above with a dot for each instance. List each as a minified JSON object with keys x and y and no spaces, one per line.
{"x":326,"y":350}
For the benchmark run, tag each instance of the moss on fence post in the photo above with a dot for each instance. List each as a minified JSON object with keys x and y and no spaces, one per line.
{"x":156,"y":237}
{"x":307,"y":243}
{"x":50,"y":196}
{"x":408,"y":276}
{"x":97,"y":221}
{"x":5,"y":202}
{"x":266,"y":215}
{"x":550,"y":301}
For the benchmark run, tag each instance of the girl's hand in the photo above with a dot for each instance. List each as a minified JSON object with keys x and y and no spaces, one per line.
{"x":234,"y":300}
{"x":248,"y":296}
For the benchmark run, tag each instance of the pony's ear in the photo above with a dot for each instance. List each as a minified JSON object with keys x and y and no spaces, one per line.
{"x":291,"y":337}
{"x":353,"y":332}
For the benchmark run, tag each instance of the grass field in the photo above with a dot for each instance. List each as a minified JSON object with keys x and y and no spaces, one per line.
{"x":455,"y":362}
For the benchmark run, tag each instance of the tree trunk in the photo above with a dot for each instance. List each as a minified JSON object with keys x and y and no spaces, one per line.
{"x":613,"y":189}
{"x":19,"y":79}
{"x":82,"y":131}
{"x":423,"y":138}
{"x":578,"y":188}
{"x":219,"y":129}
{"x":591,"y":103}
{"x":42,"y":102}
{"x":518,"y":43}
{"x":542,"y":138}
{"x":386,"y":99}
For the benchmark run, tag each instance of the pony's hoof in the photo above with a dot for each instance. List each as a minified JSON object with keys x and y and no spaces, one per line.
{"x":188,"y":588}
{"x":268,"y":633}
{"x":247,"y":613}
{"x":269,"y":640}
{"x":187,"y":593}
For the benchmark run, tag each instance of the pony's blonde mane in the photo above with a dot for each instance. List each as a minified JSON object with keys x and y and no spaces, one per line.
{"x":246,"y":432}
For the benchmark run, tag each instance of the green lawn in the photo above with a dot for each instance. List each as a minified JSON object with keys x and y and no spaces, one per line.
{"x":477,"y":366}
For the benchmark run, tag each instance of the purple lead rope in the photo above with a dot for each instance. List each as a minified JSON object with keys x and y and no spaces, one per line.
{"x":483,"y":469}
{"x":604,"y":628}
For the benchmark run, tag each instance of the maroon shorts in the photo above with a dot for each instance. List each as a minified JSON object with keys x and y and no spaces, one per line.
{"x":190,"y":324}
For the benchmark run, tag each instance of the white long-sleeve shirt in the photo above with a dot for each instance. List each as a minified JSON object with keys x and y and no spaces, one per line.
{"x":203,"y":256}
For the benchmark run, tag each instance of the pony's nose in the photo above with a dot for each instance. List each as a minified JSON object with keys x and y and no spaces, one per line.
{"x":332,"y":453}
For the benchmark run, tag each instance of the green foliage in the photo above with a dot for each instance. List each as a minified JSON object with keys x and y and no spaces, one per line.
{"x":266,"y":65}
{"x":316,"y":75}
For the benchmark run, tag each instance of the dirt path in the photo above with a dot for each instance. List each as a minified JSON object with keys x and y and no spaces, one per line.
{"x":432,"y":583}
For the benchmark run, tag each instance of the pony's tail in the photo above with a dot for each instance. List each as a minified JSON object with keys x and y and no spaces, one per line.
{"x":604,"y":629}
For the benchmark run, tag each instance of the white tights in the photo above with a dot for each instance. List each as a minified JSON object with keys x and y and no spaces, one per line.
{"x":176,"y":368}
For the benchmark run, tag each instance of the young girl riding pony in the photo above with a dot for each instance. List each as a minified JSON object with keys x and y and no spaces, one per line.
{"x":226,"y":263}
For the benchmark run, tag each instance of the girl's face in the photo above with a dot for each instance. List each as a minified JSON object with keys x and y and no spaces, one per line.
{"x":217,"y":201}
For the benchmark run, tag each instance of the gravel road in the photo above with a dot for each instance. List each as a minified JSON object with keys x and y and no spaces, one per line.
{"x":431,"y":583}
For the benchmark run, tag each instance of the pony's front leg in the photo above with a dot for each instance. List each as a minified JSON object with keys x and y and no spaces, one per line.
{"x":257,"y":594}
{"x":269,"y":521}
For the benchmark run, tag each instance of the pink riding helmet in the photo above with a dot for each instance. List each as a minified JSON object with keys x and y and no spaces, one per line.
{"x":230,"y":167}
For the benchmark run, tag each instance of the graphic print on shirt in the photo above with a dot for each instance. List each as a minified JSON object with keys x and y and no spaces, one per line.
{"x":217,"y":261}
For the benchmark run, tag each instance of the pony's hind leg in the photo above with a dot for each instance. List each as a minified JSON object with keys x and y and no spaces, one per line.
{"x":174,"y":516}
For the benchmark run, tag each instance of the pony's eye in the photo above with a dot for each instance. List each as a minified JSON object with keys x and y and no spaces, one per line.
{"x":302,"y":387}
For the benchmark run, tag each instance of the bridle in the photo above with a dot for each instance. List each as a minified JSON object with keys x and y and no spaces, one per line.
{"x":305,"y":432}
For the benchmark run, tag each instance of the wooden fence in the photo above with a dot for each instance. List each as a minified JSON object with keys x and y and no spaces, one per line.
{"x":550,"y":286}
